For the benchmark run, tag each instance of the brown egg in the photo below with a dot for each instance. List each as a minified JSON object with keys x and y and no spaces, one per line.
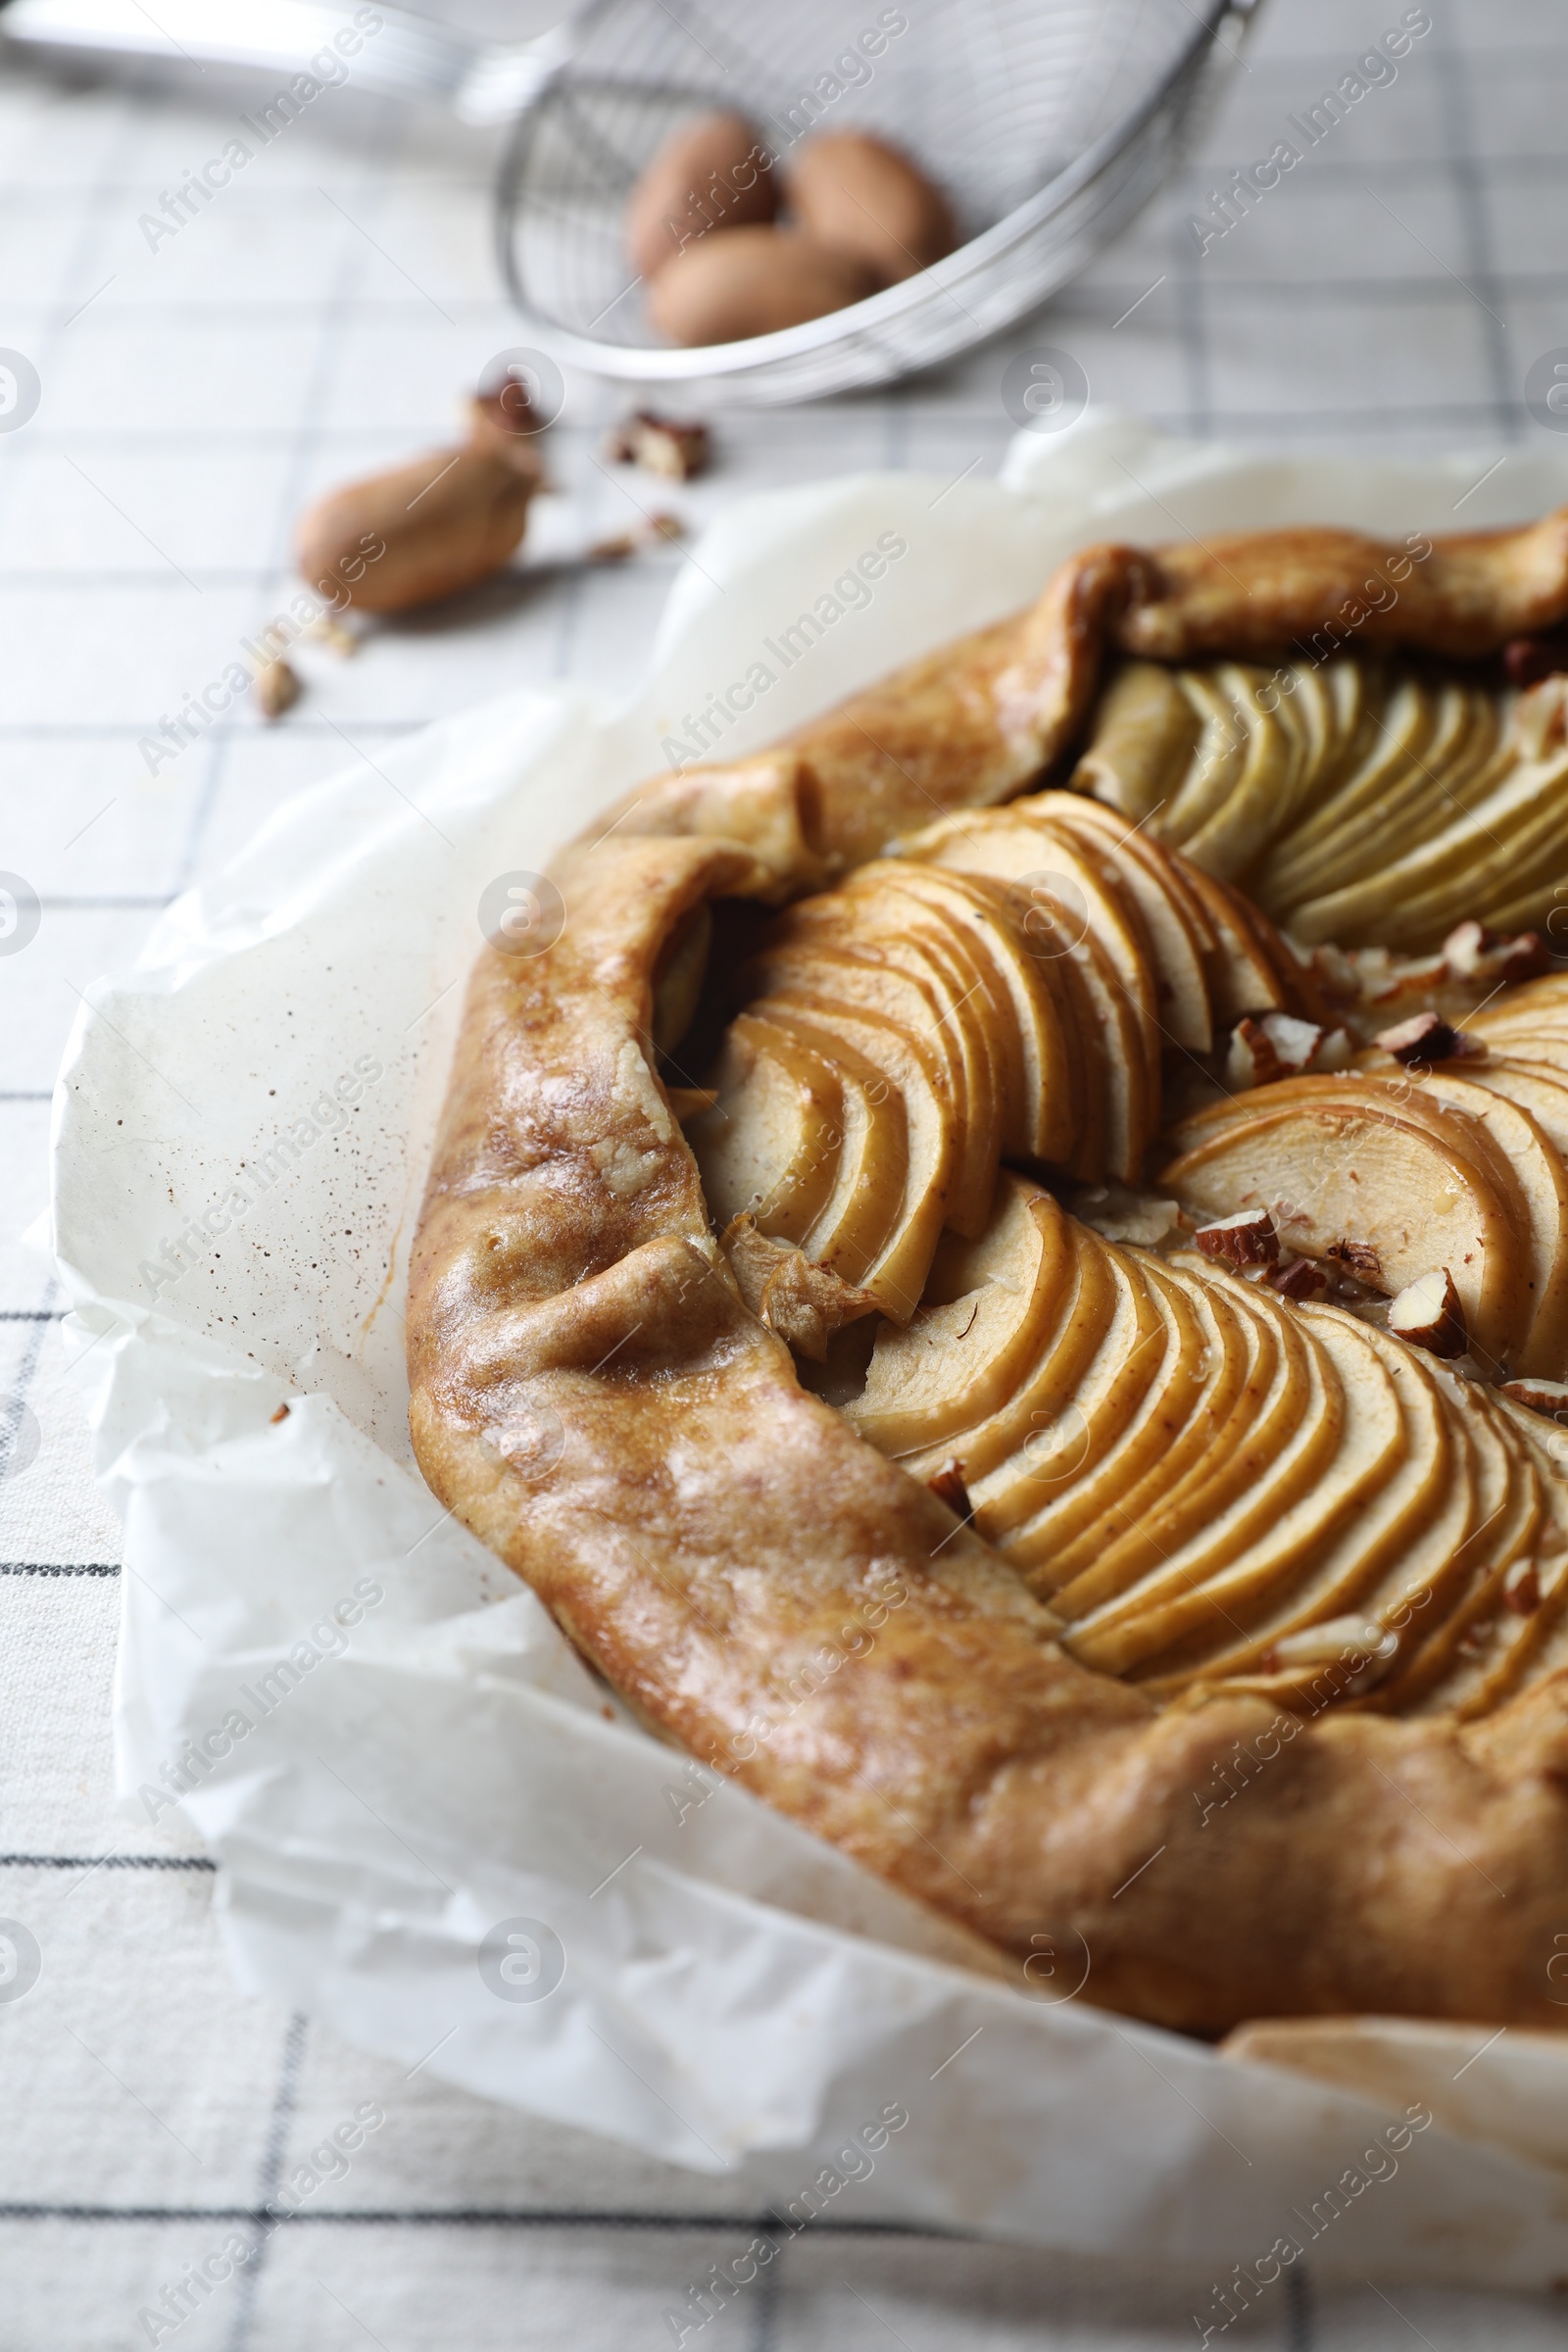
{"x":716,"y":173}
{"x":858,"y":193}
{"x":751,"y":281}
{"x":444,"y":523}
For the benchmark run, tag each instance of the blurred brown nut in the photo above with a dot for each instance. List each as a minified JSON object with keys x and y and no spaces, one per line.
{"x":276,"y":689}
{"x":858,"y":194}
{"x":716,"y":173}
{"x":504,"y":425}
{"x":425,"y":530}
{"x":753,"y":281}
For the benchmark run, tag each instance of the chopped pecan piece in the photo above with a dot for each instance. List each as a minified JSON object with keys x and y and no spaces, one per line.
{"x":1427,"y":1312}
{"x":1248,"y":1239}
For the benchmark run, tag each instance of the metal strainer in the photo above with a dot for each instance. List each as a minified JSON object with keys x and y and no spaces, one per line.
{"x":1049,"y":122}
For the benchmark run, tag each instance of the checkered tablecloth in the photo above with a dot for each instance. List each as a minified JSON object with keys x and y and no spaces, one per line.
{"x":320,"y":320}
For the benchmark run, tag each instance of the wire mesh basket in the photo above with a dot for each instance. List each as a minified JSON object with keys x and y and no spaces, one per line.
{"x":1049,"y":124}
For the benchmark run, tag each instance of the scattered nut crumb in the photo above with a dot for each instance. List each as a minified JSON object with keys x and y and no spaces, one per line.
{"x":276,"y":689}
{"x":662,"y":444}
{"x":1248,"y":1239}
{"x":948,"y":1486}
{"x":1427,"y":1312}
{"x":1300,"y":1280}
{"x":1521,"y":1589}
{"x":281,"y":1414}
{"x":664,"y":525}
{"x":1360,"y":1258}
{"x":615,"y":549}
{"x":1549,"y":1396}
{"x":326,"y":629}
{"x":1251,"y":1059}
{"x":1426,"y":1037}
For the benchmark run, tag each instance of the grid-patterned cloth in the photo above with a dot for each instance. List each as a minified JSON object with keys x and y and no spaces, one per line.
{"x":316,"y":322}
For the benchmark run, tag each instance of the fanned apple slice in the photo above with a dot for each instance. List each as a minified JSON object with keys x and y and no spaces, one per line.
{"x":1348,"y":1165}
{"x":865,"y":1202}
{"x":1400,"y":716}
{"x":772,"y":1143}
{"x":1538,"y":1087}
{"x":1230,"y":1377}
{"x":1420,"y":728}
{"x":1266,"y":790}
{"x":1443,"y":1621}
{"x":1145,"y":732}
{"x":895,"y":1079}
{"x":1538,"y":1168}
{"x":1236,"y":1583}
{"x":1276,"y":1404}
{"x":1181,"y":935}
{"x":1408,"y":1530}
{"x":1179,"y":1375}
{"x":1326,"y":1464}
{"x":810,"y":972}
{"x":1072,"y":886}
{"x":1440,"y":881}
{"x":989,"y":1308}
{"x":970,"y":1006}
{"x":1242,"y":975}
{"x":1050,"y":1464}
{"x":1041,"y":1121}
{"x":1217,"y":761}
{"x":1465,"y":758}
{"x":1548,"y":994}
{"x":1087,"y":1311}
{"x":1110,"y":1034}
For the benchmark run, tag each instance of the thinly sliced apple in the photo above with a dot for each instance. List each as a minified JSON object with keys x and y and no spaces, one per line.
{"x":1548,"y":993}
{"x":1275,"y":1403}
{"x":989,"y":1308}
{"x":1089,"y":1306}
{"x":1278,"y":1545}
{"x":1073,"y":887}
{"x":970,"y":1008}
{"x":865,"y":1205}
{"x":1242,"y":976}
{"x":1234,"y":1371}
{"x":772,"y":1140}
{"x":1180,"y":932}
{"x":1464,"y":762}
{"x":1538,"y":1087}
{"x":1263,"y":796}
{"x":1538,"y":1168}
{"x":1439,"y":882}
{"x":1415,"y":1522}
{"x":1167,"y":1408}
{"x":1348,"y":1165}
{"x":1051,"y":1464}
{"x":1042,"y":1123}
{"x":1112,"y":1039}
{"x":1445,"y":1618}
{"x":1145,"y":732}
{"x":812,"y":973}
{"x":895,"y":1079}
{"x":1217,"y":761}
{"x":1422,"y":726}
{"x":1241,"y":1546}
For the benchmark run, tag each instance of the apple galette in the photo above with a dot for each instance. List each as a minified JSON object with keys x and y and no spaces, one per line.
{"x":1006,"y":1275}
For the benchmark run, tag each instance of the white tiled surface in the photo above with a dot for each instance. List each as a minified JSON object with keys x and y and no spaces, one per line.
{"x":324,"y":318}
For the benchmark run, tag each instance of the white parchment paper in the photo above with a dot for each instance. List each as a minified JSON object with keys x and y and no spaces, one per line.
{"x":385,"y":1741}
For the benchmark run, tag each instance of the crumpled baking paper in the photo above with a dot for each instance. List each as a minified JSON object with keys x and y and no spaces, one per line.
{"x":435,"y":1828}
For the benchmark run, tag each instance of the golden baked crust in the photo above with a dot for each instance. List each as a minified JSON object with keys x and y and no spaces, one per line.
{"x":769,"y":1592}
